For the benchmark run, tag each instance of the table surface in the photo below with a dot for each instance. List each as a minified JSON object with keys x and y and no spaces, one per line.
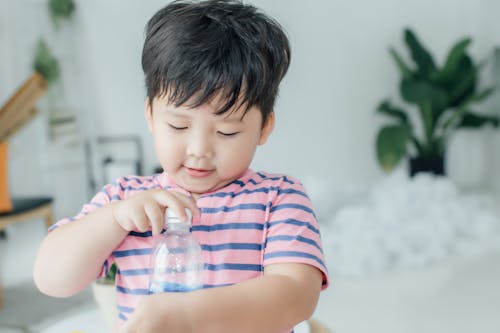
{"x":90,"y":320}
{"x":21,"y":205}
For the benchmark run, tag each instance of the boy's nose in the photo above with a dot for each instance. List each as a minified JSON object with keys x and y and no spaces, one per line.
{"x":199,"y":146}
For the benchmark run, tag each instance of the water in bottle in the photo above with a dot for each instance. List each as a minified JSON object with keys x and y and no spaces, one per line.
{"x":176,"y":260}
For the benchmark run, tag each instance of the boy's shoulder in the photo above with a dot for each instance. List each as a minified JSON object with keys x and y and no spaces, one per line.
{"x":268,"y":179}
{"x":134,"y":183}
{"x":275,"y":182}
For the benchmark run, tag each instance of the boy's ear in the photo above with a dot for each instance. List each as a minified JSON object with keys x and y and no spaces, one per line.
{"x":148,"y":114}
{"x":267,"y":129}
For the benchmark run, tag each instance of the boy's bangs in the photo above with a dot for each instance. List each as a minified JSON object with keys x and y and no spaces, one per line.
{"x":195,"y":88}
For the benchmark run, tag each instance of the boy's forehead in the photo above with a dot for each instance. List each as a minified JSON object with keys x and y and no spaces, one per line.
{"x":214,"y":104}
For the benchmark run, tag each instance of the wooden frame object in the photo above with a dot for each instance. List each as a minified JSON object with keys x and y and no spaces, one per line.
{"x":43,"y":211}
{"x":20,"y":107}
{"x":16,"y":112}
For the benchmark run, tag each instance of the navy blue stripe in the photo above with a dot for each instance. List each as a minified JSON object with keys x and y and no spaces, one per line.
{"x":129,"y":187}
{"x":122,"y":316}
{"x":242,"y":184}
{"x":228,"y":226}
{"x":125,"y":309}
{"x":291,"y":238}
{"x":281,"y":254}
{"x":232,"y":246}
{"x":258,"y":190}
{"x":96,"y":204}
{"x":208,"y":286}
{"x":295,"y":206}
{"x":133,"y":178}
{"x":105,"y":192}
{"x":235,"y":267}
{"x":132,"y":291}
{"x":232,"y":194}
{"x":205,"y":210}
{"x":141,"y":234}
{"x":294,"y":222}
{"x":134,"y":272}
{"x":238,"y":182}
{"x":132,"y":188}
{"x":115,"y":197}
{"x":285,"y":178}
{"x":133,"y":252}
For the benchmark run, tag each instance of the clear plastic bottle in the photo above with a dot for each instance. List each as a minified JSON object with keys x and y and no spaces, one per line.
{"x":176,"y":261}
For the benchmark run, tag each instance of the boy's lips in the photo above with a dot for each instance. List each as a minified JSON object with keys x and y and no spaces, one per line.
{"x":195,"y":172}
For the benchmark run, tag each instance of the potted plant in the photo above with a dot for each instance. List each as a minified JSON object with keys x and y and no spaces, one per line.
{"x":61,"y":10}
{"x":443,"y":97}
{"x":45,"y":63}
{"x":104,"y":291}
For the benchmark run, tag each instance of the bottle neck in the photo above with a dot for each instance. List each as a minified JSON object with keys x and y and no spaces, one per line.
{"x":178,"y":226}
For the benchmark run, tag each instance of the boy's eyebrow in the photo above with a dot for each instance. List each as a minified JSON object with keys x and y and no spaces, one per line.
{"x":175,"y":113}
{"x":232,"y":120}
{"x":225,"y":119}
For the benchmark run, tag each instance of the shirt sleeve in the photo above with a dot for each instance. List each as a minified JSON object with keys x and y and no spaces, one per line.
{"x":293,"y":232}
{"x":105,"y":196}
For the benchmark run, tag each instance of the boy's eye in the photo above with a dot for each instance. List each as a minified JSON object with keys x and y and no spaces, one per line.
{"x":227,"y":134}
{"x":177,"y":128}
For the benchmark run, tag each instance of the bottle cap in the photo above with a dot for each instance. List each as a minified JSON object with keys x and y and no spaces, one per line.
{"x":171,"y":216}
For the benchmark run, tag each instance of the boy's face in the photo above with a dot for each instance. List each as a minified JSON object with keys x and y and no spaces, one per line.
{"x":202,"y":151}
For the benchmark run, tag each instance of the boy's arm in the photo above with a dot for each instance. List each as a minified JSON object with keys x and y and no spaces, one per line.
{"x":72,"y":255}
{"x":286,"y":295}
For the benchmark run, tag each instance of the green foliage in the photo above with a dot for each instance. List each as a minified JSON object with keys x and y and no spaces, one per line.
{"x":60,"y":10}
{"x":111,"y":275}
{"x":45,"y":63}
{"x":442,"y":95}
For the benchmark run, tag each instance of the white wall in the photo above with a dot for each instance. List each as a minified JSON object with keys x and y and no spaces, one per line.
{"x":326,"y":121}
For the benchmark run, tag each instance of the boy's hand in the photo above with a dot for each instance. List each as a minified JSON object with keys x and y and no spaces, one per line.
{"x":147,"y":210}
{"x":157,"y":313}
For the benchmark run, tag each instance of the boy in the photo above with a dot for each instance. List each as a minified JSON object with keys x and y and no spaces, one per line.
{"x":212,"y":71}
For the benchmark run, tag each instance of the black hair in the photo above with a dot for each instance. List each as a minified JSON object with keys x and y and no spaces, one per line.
{"x":194,"y":50}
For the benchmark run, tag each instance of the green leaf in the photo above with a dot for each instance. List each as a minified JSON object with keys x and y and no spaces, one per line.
{"x":61,"y":10}
{"x":454,"y":120}
{"x":471,"y":120}
{"x":419,"y":54}
{"x":428,"y":123}
{"x":446,"y":74}
{"x":45,"y":63}
{"x":391,"y":145}
{"x":386,"y":108}
{"x":111,"y":275}
{"x":404,"y":69}
{"x":463,"y":85}
{"x":484,"y":94}
{"x":419,"y":92}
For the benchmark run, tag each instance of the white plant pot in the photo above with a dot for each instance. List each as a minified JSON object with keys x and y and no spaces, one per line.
{"x":466,"y":159}
{"x":105,"y":297}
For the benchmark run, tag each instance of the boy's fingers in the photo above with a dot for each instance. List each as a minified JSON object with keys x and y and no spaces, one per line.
{"x":189,"y":203}
{"x":155,"y":216}
{"x":178,"y":202}
{"x":173,"y":203}
{"x":141,"y":222}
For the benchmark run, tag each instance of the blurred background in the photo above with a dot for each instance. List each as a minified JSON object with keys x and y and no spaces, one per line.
{"x":407,"y":254}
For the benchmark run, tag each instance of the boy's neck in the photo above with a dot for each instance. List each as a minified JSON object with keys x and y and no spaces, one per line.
{"x":196,"y":196}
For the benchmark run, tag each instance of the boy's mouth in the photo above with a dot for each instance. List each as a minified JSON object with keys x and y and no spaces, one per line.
{"x":195,"y":172}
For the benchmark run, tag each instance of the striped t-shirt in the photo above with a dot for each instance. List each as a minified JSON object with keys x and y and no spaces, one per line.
{"x":257,"y":220}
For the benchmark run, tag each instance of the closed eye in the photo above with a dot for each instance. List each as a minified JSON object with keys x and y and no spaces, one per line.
{"x":177,"y":128}
{"x":227,"y":134}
